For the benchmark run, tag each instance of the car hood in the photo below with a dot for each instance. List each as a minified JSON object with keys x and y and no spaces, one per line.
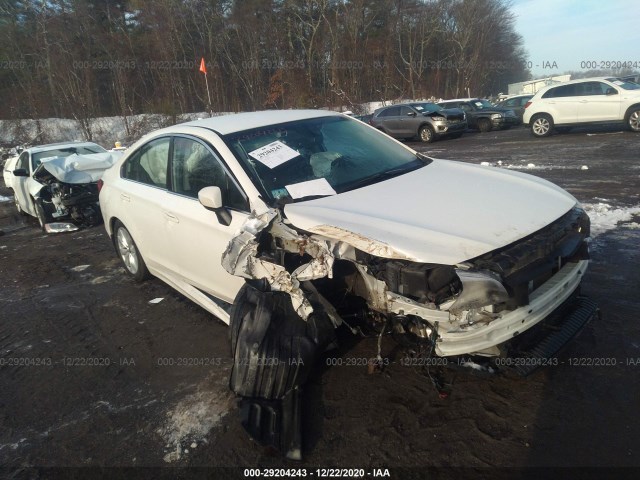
{"x":446,"y":112}
{"x":446,"y":212}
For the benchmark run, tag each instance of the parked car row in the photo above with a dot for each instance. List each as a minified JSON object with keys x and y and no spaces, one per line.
{"x":288,"y":224}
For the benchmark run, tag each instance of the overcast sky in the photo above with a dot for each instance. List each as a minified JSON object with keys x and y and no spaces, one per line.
{"x":569,"y":32}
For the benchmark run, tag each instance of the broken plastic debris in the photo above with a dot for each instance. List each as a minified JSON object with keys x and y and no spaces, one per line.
{"x":156,"y":300}
{"x":531,"y":165}
{"x":60,"y":227}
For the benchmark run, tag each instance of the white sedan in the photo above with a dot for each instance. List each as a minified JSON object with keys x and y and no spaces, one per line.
{"x":287,"y":224}
{"x":26,"y":189}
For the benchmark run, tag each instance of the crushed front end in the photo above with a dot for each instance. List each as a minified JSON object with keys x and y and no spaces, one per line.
{"x":302,"y":285}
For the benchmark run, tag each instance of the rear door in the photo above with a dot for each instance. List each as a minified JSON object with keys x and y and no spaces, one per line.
{"x":391,"y":121}
{"x":562,"y":103}
{"x":143,"y":196}
{"x":196,"y":236}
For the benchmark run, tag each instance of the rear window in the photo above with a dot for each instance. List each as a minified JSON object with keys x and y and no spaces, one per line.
{"x":562,"y":91}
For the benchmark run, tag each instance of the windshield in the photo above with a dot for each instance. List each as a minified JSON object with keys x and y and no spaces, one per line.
{"x":426,"y":107}
{"x":480,"y":104}
{"x":319,"y":157}
{"x":627,"y":85}
{"x":36,"y":158}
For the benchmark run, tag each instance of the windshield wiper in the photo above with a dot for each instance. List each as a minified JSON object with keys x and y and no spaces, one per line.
{"x":387,"y":174}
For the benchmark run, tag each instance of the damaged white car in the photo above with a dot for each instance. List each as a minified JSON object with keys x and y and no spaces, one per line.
{"x":57,"y":184}
{"x":288,"y":224}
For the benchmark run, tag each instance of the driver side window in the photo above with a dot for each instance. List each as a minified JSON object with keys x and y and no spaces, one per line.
{"x":194,"y":167}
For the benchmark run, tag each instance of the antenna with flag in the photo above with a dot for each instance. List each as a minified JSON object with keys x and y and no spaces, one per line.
{"x":203,"y":69}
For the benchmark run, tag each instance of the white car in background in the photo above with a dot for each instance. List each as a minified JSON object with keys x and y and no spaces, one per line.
{"x":287,"y":224}
{"x":588,"y":101}
{"x":28,"y":191}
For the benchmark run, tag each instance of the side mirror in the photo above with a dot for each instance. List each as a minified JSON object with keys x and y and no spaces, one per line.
{"x":411,"y":114}
{"x":611,"y":91}
{"x":211,"y":199}
{"x":21,"y":172}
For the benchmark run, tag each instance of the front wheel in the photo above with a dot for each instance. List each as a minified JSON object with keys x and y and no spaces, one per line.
{"x":129,"y":253}
{"x":542,"y":126}
{"x":633,"y":119}
{"x":426,"y":134}
{"x":41,"y":214}
{"x":484,"y":125}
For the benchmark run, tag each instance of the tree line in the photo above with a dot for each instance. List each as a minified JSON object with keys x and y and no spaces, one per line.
{"x":86,"y":58}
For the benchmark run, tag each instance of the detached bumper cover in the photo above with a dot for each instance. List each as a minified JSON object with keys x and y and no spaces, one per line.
{"x":542,"y":302}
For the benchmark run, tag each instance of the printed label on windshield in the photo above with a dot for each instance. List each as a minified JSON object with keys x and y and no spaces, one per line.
{"x":274,"y":154}
{"x":311,"y":188}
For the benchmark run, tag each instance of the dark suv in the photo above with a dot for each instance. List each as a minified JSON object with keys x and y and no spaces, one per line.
{"x":424,"y":120}
{"x":482,"y":115}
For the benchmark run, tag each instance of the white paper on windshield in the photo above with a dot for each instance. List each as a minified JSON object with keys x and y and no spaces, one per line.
{"x":319,"y":186}
{"x":618,"y":82}
{"x":274,"y":154}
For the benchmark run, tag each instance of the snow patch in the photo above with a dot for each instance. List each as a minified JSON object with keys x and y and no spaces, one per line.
{"x":605,"y":217}
{"x":156,"y":300}
{"x":80,"y":268}
{"x":5,"y":199}
{"x":189,"y":422}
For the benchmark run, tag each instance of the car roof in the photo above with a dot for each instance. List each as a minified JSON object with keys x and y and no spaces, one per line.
{"x":54,"y":146}
{"x":470,"y":99}
{"x":573,"y":82}
{"x":238,"y":122}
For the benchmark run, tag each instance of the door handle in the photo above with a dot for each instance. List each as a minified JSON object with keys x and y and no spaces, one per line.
{"x":171,"y":217}
{"x":125,"y":197}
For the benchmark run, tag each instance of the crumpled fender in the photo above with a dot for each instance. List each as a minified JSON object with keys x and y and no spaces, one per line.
{"x":241,"y":258}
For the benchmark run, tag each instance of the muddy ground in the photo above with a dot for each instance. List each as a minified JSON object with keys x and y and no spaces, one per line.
{"x":94,"y":375}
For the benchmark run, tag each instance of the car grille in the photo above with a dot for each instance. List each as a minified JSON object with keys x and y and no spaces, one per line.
{"x":529,"y":262}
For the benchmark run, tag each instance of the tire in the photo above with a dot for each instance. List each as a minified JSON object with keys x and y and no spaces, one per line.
{"x":129,"y":254}
{"x":541,"y":125}
{"x":41,"y":214}
{"x":426,"y":134}
{"x":632,"y":119}
{"x":484,"y":125}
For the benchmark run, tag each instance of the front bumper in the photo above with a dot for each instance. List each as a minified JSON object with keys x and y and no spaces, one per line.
{"x":504,"y":122}
{"x":451,"y":128}
{"x":542,"y":302}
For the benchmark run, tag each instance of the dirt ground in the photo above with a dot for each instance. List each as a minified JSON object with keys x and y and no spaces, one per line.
{"x":93,"y":375}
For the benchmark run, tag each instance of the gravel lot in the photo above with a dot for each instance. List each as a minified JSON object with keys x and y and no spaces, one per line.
{"x":94,"y":375}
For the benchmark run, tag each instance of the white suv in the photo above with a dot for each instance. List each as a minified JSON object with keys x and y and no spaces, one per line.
{"x":588,"y":101}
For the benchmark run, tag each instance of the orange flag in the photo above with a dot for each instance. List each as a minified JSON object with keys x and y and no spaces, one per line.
{"x":203,"y":67}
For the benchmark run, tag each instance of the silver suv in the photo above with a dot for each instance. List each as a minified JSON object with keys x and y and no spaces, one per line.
{"x":588,"y":101}
{"x":424,"y":120}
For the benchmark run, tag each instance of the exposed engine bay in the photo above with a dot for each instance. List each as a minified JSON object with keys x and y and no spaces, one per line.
{"x":69,"y":195}
{"x":301,"y":286}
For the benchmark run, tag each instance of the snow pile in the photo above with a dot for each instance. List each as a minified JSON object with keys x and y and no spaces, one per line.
{"x":604,"y":217}
{"x":106,"y":130}
{"x":191,"y":419}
